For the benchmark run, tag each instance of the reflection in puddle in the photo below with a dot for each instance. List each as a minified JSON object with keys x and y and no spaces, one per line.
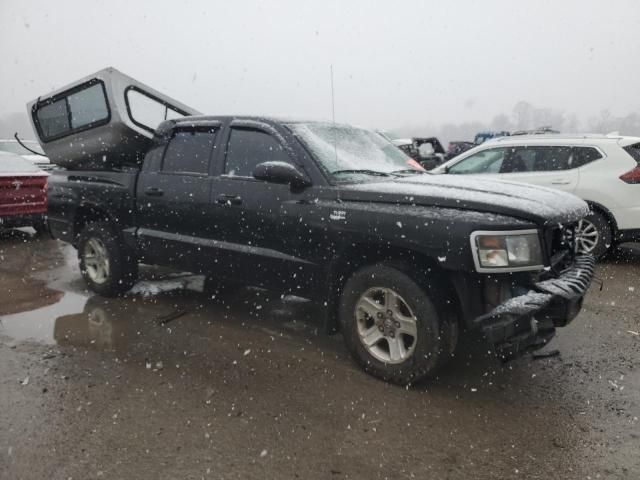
{"x":130,"y":323}
{"x":38,"y":325}
{"x":43,"y":299}
{"x":106,"y":324}
{"x":82,"y":320}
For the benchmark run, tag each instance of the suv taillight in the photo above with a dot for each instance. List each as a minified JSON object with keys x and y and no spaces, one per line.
{"x":632,"y":176}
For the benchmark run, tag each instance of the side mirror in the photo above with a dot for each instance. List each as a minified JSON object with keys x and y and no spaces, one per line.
{"x":281,"y":172}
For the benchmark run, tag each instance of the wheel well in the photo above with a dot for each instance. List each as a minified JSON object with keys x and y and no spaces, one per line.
{"x":596,"y":207}
{"x":359,"y":255}
{"x":86,"y":214}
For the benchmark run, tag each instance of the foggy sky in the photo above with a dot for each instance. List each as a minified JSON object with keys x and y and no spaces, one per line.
{"x":395,"y":63}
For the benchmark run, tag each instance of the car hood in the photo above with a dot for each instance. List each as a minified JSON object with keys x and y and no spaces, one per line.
{"x":537,"y":204}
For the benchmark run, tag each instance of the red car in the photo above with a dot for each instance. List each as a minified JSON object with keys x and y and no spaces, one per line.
{"x":23,"y":193}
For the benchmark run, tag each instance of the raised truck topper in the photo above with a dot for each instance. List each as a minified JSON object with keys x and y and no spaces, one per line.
{"x":399,"y":260}
{"x":103,"y":121}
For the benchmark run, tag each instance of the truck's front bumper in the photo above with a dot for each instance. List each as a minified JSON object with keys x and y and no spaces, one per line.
{"x":528,"y":321}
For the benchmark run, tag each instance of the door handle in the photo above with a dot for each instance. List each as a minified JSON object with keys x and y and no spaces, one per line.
{"x":229,"y":200}
{"x":560,"y":181}
{"x":154,"y":192}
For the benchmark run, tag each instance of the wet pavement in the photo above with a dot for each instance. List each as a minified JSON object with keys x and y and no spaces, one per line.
{"x":171,"y":383}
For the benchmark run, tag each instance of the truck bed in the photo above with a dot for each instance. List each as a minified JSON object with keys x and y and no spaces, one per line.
{"x":76,"y":194}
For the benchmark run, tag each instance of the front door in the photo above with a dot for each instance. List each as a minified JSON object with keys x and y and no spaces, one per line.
{"x":259,"y":238}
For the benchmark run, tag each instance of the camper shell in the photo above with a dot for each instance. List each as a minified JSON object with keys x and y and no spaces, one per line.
{"x":103,"y":121}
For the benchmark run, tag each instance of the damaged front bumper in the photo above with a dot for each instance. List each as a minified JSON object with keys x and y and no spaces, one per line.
{"x":528,"y":322}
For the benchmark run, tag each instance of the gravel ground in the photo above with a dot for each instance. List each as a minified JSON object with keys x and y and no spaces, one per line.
{"x":246,"y":387}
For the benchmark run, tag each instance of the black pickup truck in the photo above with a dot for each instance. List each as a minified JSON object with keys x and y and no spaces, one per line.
{"x":399,"y":260}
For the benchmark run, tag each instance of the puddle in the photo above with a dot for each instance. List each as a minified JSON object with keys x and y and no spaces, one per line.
{"x":43,"y":299}
{"x":38,"y":325}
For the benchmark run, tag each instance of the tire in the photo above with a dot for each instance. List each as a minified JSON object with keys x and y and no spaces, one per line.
{"x":220,"y":290}
{"x":42,"y":229}
{"x":393,"y":353}
{"x":106,"y":264}
{"x":594,"y":235}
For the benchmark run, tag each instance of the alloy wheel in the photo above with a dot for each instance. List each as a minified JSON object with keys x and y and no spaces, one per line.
{"x":587,"y":236}
{"x":387,"y":327}
{"x":96,"y":260}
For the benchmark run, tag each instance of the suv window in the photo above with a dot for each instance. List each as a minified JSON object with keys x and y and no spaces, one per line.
{"x":486,"y":161}
{"x":189,"y":151}
{"x":247,"y":148}
{"x":634,"y":151}
{"x":584,"y":155}
{"x":537,"y":159}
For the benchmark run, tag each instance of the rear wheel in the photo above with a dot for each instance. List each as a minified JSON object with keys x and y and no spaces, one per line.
{"x":107,"y":265}
{"x":42,"y":228}
{"x":219,"y":289}
{"x":594,"y":234}
{"x":392,"y":327}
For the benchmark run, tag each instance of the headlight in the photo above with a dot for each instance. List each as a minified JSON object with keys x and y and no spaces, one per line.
{"x":512,"y":251}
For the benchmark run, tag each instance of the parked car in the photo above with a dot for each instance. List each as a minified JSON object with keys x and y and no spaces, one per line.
{"x":39,"y":158}
{"x":601,"y":169}
{"x":482,"y":137}
{"x":400,"y":261}
{"x":456,"y":148}
{"x":427,"y":151}
{"x":23,"y":193}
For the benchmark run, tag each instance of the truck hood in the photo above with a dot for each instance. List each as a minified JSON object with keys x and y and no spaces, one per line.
{"x":524,"y":201}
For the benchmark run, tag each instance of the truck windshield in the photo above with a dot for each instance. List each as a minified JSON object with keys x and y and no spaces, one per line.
{"x":345,"y":152}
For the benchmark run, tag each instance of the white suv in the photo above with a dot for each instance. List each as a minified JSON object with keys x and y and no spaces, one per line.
{"x":604,"y":170}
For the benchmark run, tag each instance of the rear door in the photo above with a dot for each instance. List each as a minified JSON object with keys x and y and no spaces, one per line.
{"x":174,"y":189}
{"x":543,"y":165}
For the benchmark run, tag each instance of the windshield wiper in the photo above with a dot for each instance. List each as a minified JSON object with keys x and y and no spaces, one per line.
{"x":408,"y":170}
{"x":363,"y":171}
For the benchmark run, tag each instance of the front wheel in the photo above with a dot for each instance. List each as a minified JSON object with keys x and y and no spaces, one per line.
{"x":391,"y":325}
{"x":593,"y":235}
{"x":108,"y":267}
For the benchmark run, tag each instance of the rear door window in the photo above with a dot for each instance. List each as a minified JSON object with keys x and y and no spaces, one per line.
{"x":537,"y":159}
{"x":247,"y":148}
{"x":189,"y":151}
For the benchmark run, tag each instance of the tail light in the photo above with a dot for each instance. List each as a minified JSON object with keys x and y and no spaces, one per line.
{"x":632,"y":176}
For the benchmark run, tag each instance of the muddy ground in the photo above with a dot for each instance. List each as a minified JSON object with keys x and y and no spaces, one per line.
{"x":246,"y":387}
